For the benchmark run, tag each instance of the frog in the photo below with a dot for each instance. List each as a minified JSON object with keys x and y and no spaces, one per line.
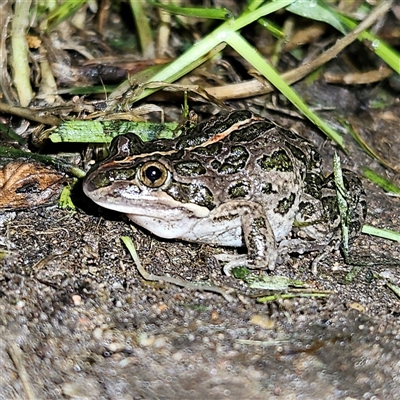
{"x":236,"y":180}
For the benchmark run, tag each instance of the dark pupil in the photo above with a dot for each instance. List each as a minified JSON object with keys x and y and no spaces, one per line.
{"x":153,"y":173}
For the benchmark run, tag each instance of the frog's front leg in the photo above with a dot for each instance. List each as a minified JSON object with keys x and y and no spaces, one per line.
{"x":257,"y":235}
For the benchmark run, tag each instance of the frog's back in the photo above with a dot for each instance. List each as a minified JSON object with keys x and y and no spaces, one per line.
{"x":244,"y":157}
{"x":245,"y":144}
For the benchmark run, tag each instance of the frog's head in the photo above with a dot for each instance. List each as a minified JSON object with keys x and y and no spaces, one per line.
{"x":138,"y":179}
{"x":133,"y":171}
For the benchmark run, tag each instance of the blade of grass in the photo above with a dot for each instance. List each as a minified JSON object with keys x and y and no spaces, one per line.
{"x":380,"y":48}
{"x":175,"y":281}
{"x":183,"y":64}
{"x":382,"y":233}
{"x":255,"y":4}
{"x":143,"y":28}
{"x":197,"y":12}
{"x":140,"y":77}
{"x":316,"y":10}
{"x":341,"y":197}
{"x":382,"y":182}
{"x":275,"y":297}
{"x":361,"y":142}
{"x":63,"y":12}
{"x":19,"y":49}
{"x":394,"y":288}
{"x":172,"y":75}
{"x":272,"y":28}
{"x":237,"y":42}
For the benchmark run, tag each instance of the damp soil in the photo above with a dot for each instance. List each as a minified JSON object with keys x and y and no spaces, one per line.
{"x":77,"y":320}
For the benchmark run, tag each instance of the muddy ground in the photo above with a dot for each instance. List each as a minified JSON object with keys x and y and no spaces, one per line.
{"x":78,"y":322}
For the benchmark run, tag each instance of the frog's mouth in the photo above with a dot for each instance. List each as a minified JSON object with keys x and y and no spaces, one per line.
{"x":131,"y":200}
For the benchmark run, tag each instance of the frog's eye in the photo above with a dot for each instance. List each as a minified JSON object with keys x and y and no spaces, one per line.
{"x":153,"y":174}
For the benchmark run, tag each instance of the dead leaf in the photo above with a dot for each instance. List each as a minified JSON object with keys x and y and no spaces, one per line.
{"x":27,"y":184}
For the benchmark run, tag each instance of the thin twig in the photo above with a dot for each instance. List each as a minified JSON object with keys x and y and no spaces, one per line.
{"x":30,"y":113}
{"x":255,"y":87}
{"x":175,"y":281}
{"x":16,"y":356}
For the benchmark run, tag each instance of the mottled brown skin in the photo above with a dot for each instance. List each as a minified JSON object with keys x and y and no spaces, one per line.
{"x":234,"y":180}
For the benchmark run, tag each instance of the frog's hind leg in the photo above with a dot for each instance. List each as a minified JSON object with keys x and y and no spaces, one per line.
{"x":257,"y":233}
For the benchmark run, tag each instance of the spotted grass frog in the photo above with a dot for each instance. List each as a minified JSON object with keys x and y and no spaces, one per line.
{"x":236,"y":180}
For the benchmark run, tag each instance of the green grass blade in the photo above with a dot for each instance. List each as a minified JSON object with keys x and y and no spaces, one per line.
{"x":272,"y":28}
{"x":341,"y":198}
{"x":394,"y":288}
{"x":180,"y":67}
{"x":257,"y":61}
{"x":318,"y":11}
{"x":380,"y":48}
{"x":196,"y":12}
{"x":382,"y":233}
{"x":189,"y":60}
{"x":382,"y":182}
{"x":144,"y":30}
{"x":63,"y":12}
{"x":249,"y":17}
